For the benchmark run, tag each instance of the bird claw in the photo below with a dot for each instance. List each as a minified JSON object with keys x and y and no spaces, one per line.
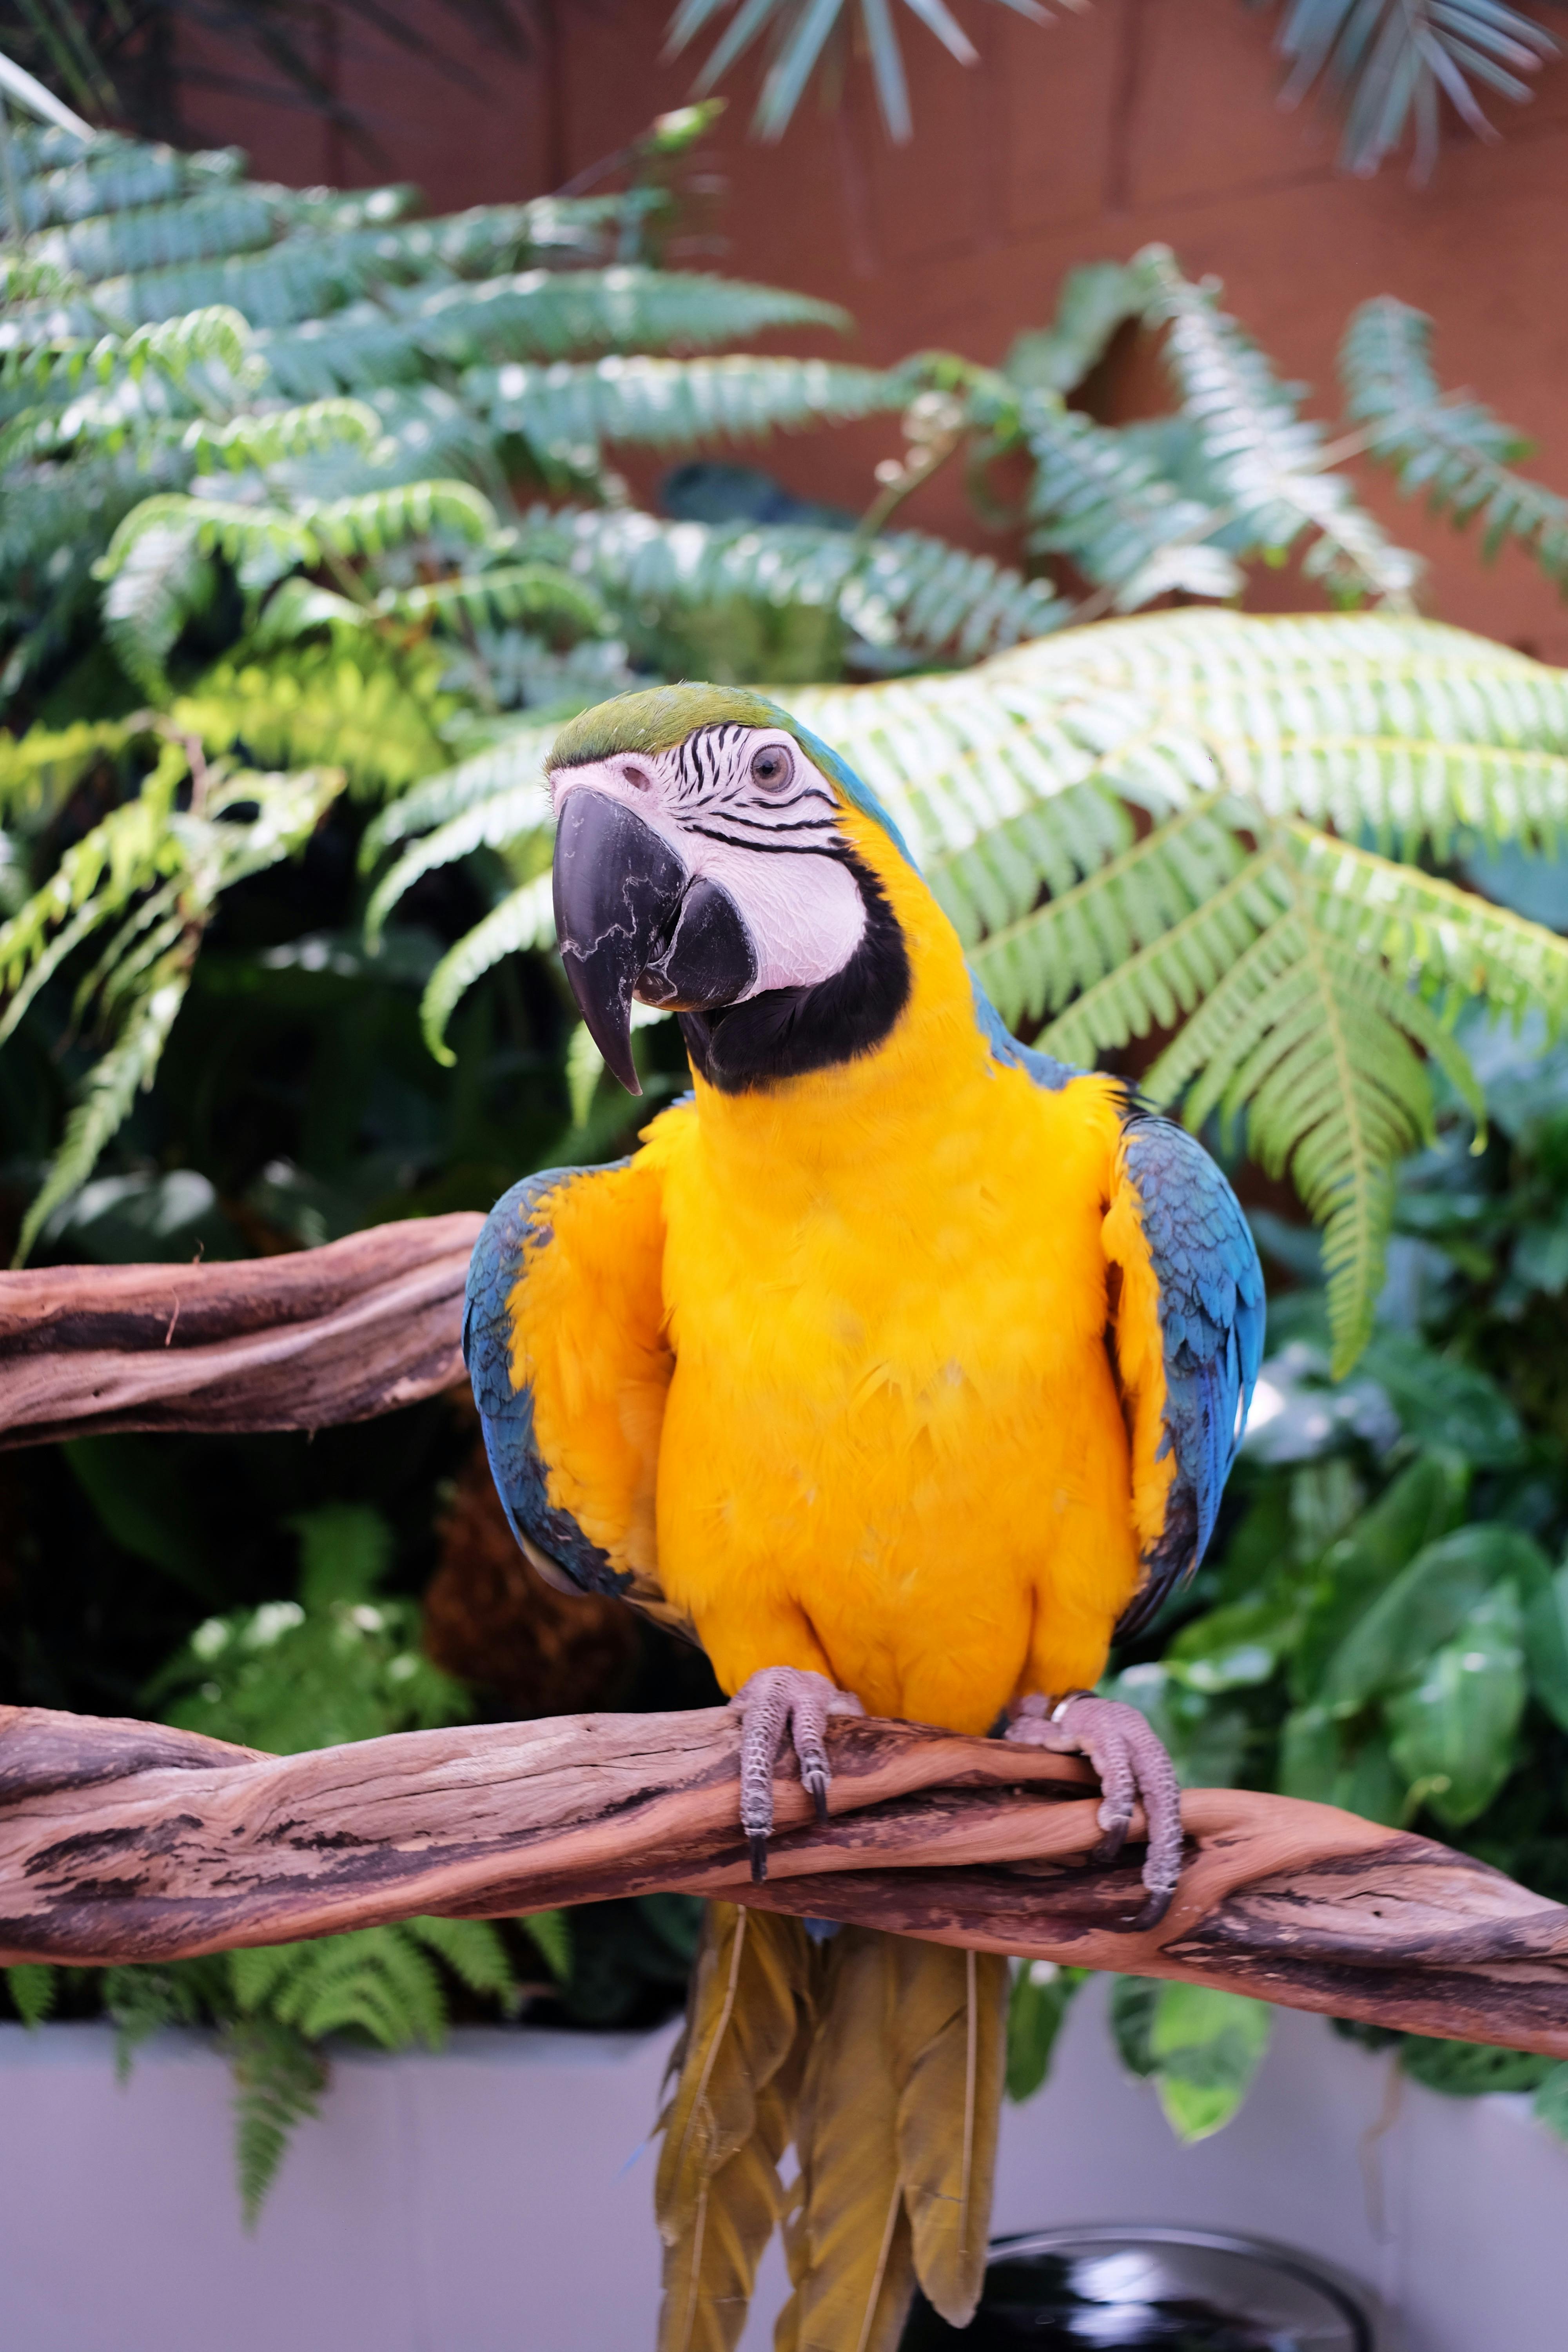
{"x":1130,"y":1759}
{"x":776,"y":1704}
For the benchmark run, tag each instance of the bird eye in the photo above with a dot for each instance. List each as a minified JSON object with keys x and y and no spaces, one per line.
{"x":771,"y":767}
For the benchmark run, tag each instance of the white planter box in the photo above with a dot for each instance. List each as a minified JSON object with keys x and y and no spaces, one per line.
{"x":493,"y":2199}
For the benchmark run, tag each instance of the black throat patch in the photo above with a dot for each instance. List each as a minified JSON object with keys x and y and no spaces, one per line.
{"x":786,"y":1032}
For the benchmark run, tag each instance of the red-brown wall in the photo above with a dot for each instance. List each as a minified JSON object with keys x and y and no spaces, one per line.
{"x":1137,"y":120}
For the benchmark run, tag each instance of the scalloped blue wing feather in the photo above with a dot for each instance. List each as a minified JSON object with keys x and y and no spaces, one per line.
{"x":550,"y":1537}
{"x":1212,"y":1329}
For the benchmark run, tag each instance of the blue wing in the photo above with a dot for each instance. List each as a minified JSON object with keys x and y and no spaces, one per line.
{"x":550,"y":1537}
{"x":1211,"y":1310}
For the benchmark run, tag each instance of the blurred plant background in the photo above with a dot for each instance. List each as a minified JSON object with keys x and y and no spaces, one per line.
{"x":316,"y":516}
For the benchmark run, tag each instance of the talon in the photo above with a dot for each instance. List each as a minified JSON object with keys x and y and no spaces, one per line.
{"x":1153,"y":1912}
{"x":1133,"y":1767}
{"x":776,"y":1704}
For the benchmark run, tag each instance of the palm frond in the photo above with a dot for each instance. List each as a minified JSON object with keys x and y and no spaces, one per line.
{"x":1392,"y":62}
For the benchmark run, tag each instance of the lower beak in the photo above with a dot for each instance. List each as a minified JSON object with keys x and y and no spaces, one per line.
{"x":632,"y":920}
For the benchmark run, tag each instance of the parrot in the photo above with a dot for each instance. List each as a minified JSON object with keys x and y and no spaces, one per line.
{"x":901,"y":1366}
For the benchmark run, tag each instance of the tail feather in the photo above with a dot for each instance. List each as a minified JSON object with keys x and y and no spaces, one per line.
{"x":897,"y":2133}
{"x":949,"y":2020}
{"x":728,"y":2122}
{"x":848,"y":2242}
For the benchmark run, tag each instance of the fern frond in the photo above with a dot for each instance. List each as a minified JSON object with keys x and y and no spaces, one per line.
{"x":536,"y":314}
{"x":355,"y":705}
{"x":666,"y":404}
{"x":158,"y":236}
{"x":513,"y":765}
{"x":375,"y":521}
{"x":544,"y":314}
{"x":1109,"y":504}
{"x":40,"y":770}
{"x":1096,"y":298}
{"x":1265,"y":457}
{"x":111,"y":176}
{"x":34,"y":1988}
{"x":530,"y":593}
{"x":1139,"y":942}
{"x":278,"y":2081}
{"x":524,"y":918}
{"x":551,"y":1933}
{"x":164,"y":581}
{"x":996,"y":879}
{"x":472,"y":1949}
{"x":902,"y":589}
{"x":1446,"y":447}
{"x":263,"y":543}
{"x":269,"y":436}
{"x":128,"y":1068}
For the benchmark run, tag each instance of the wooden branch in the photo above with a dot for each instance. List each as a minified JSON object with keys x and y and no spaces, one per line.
{"x":300,"y":1341}
{"x":130,"y":1842}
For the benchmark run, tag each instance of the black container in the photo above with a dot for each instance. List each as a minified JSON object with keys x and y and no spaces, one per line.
{"x":1148,"y":2290}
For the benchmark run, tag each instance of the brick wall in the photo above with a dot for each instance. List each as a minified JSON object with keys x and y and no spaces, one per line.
{"x":1135,"y":120}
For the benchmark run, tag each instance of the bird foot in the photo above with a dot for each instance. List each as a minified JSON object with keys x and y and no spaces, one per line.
{"x":1132,"y":1764}
{"x":778,"y":1703}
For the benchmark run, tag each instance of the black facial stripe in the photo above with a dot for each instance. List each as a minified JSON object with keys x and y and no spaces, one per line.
{"x":828,"y":846}
{"x":786,"y":1032}
{"x":762,"y":823}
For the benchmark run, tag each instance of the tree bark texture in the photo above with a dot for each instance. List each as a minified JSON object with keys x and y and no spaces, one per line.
{"x":123,"y":1840}
{"x":300,"y":1341}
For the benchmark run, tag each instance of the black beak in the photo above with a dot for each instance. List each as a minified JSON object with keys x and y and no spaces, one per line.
{"x":631,"y":921}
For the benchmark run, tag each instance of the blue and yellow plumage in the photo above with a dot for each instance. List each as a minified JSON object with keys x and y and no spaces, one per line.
{"x":896,"y":1355}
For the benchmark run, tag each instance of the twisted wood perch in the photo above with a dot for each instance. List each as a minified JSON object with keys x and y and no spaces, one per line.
{"x":300,"y":1341}
{"x":129,"y":1842}
{"x":124,"y":1841}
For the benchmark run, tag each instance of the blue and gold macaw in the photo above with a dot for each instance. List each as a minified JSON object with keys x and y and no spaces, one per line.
{"x":901,"y":1366}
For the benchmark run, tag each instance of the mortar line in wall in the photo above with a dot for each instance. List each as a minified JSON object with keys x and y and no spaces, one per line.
{"x":1124,"y":93}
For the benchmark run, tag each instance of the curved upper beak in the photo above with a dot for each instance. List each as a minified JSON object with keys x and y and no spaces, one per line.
{"x":633,"y":921}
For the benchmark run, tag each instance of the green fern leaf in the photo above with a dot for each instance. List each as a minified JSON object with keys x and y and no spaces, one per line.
{"x":107,"y":1092}
{"x":524,"y":918}
{"x":1096,"y":298}
{"x":271,"y":436}
{"x":569,"y":409}
{"x":529,"y":593}
{"x":552,"y":1932}
{"x":1266,"y":458}
{"x":513,"y":765}
{"x":472,"y":1949}
{"x":372,"y":710}
{"x":34,"y":1988}
{"x":1449,"y":448}
{"x":1099,"y":498}
{"x":278,"y":2080}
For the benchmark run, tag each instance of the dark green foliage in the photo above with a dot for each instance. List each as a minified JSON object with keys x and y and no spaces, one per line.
{"x":1383,"y":1622}
{"x":1036,"y":2015}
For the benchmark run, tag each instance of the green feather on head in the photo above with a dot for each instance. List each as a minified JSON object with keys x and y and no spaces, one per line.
{"x":658,"y":718}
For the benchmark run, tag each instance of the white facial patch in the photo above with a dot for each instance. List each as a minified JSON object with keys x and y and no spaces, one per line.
{"x":745,"y":807}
